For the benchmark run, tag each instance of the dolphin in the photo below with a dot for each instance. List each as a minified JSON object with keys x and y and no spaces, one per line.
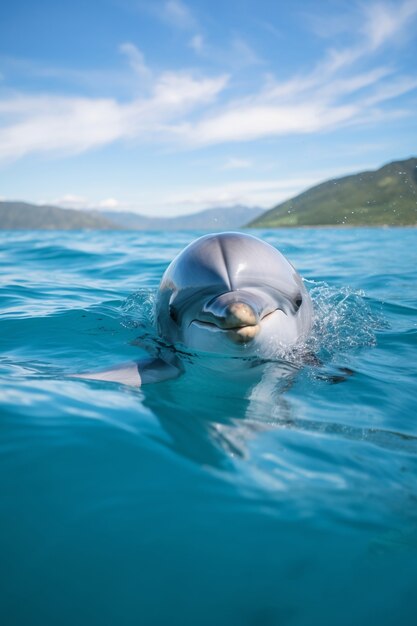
{"x":228,"y":294}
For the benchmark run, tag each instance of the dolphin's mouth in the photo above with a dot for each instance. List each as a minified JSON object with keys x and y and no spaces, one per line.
{"x":219,"y":323}
{"x":239,"y":332}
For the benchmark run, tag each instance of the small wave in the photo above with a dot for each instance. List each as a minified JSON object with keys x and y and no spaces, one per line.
{"x":138,"y":310}
{"x":343,"y":321}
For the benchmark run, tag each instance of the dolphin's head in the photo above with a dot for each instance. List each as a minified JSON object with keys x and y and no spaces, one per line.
{"x":231,"y":293}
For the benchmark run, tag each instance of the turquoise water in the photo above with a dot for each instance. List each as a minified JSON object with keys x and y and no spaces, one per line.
{"x":206,"y":500}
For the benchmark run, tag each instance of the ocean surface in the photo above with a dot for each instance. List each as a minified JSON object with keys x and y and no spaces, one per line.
{"x":206,"y":501}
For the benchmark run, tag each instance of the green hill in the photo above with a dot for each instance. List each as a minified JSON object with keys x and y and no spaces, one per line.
{"x":24,"y":216}
{"x":387,"y":196}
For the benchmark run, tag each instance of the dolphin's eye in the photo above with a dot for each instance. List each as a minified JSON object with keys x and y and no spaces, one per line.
{"x":173,"y":313}
{"x":298,"y":301}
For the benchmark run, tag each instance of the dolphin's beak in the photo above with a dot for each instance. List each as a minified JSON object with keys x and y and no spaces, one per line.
{"x":237,"y":313}
{"x":241,"y":321}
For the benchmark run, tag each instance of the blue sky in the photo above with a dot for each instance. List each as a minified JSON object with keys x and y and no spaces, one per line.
{"x":168,"y":107}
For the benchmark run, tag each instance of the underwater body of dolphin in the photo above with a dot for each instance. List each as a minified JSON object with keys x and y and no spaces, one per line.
{"x":225,"y":294}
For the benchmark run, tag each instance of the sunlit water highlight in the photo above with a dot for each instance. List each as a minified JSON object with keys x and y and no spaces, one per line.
{"x":282,"y":494}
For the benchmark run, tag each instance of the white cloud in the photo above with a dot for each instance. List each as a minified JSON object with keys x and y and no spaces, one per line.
{"x":187,"y":107}
{"x":58,"y":124}
{"x":74,"y":201}
{"x":180,"y":90}
{"x":69,"y":201}
{"x":72,"y":125}
{"x":109,"y":203}
{"x":247,"y":123}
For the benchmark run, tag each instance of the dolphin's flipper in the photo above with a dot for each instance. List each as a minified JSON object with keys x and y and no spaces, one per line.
{"x":135,"y":373}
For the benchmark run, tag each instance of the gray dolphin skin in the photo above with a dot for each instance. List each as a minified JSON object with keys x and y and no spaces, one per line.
{"x":227,"y":286}
{"x":226,"y":294}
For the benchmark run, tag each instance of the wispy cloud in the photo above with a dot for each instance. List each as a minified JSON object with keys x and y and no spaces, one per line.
{"x":69,"y":200}
{"x":385,"y":20}
{"x":194,"y":109}
{"x":257,"y":120}
{"x":236,"y":54}
{"x":74,"y":201}
{"x":136,"y":60}
{"x":85,"y":79}
{"x":177,"y":14}
{"x":376,"y":23}
{"x":60,"y":124}
{"x":333,"y":94}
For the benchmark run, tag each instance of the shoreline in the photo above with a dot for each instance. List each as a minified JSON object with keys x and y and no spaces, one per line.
{"x":208,"y":230}
{"x":341,"y":226}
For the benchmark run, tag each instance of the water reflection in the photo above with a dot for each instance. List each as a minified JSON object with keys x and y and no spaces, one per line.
{"x":211,"y":415}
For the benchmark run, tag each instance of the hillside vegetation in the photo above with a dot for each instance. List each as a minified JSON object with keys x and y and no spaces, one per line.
{"x":387,"y":196}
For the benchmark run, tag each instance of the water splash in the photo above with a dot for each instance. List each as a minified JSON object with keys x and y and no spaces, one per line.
{"x":343,"y":322}
{"x":138,"y":310}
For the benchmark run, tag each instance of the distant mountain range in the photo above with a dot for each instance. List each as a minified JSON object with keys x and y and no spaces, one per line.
{"x":24,"y":216}
{"x":225,"y":218}
{"x":387,"y":196}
